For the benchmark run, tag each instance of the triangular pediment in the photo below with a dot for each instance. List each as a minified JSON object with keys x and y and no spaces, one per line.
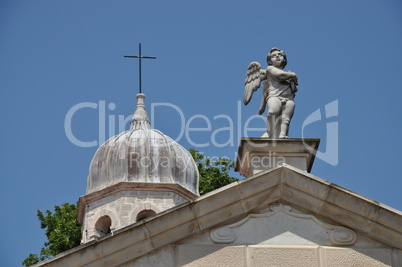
{"x":324,"y":201}
{"x":311,"y":211}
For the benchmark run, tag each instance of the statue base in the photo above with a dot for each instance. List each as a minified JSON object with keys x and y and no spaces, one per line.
{"x":260,"y":154}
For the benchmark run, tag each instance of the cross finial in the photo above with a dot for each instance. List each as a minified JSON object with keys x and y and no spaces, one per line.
{"x":140,"y":57}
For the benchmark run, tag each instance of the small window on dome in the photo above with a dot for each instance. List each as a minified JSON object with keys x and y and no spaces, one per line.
{"x":102,"y":226}
{"x":144,"y":214}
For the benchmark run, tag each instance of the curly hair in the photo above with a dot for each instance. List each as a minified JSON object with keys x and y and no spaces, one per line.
{"x":285,"y":61}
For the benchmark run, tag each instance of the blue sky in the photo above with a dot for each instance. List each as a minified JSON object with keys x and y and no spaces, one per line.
{"x":55,"y":55}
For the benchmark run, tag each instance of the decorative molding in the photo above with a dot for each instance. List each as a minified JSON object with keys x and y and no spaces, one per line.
{"x":337,"y":235}
{"x":224,"y":235}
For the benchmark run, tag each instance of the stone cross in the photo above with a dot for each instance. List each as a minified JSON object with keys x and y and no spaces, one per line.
{"x":140,"y":57}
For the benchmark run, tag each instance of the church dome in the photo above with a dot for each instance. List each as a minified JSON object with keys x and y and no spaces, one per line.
{"x":142,"y":155}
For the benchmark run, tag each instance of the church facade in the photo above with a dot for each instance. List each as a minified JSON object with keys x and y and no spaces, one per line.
{"x":279,"y":215}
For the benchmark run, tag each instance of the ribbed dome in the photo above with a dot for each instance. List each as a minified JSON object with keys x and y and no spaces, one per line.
{"x":142,"y":155}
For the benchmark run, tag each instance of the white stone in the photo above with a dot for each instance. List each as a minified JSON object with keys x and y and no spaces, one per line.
{"x":259,"y":154}
{"x":282,"y":226}
{"x":134,"y":175}
{"x":280,"y":88}
{"x":190,"y":223}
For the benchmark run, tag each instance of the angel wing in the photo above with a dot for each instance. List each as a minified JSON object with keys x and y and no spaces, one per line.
{"x":255,"y":74}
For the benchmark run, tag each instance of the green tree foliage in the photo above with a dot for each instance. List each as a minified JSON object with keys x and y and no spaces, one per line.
{"x":62,"y":231}
{"x":213,"y":174}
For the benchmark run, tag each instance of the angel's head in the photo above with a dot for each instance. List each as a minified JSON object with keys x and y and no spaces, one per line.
{"x":279,"y":55}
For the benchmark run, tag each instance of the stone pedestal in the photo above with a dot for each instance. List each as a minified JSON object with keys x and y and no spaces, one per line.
{"x":260,"y":154}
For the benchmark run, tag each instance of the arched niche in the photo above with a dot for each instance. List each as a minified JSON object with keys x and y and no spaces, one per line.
{"x":103,"y":225}
{"x":144,"y":214}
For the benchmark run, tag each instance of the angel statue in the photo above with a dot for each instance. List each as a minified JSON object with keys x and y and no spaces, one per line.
{"x":280,"y":88}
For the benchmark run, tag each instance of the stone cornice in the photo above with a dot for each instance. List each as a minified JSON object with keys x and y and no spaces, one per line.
{"x":234,"y":202}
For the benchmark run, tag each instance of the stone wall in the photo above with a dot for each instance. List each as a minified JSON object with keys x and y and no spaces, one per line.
{"x":123,"y":207}
{"x":268,"y":255}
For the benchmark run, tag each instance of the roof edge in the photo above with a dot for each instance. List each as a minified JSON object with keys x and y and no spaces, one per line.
{"x":233,"y":202}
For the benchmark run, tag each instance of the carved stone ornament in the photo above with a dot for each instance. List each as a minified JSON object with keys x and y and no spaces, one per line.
{"x":279,"y":91}
{"x":280,"y":225}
